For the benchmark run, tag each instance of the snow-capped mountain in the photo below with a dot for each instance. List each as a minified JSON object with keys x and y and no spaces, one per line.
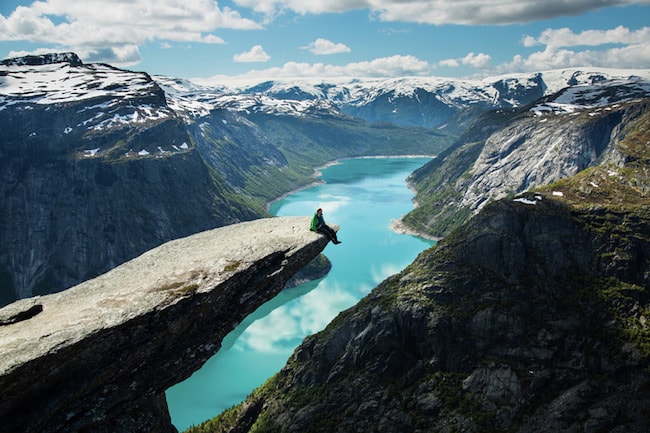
{"x":498,"y":91}
{"x":62,"y":78}
{"x":193,"y":100}
{"x":420,"y":101}
{"x":593,"y":96}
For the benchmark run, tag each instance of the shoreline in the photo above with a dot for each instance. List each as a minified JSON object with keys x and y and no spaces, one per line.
{"x":309,"y":185}
{"x":317,"y":172}
{"x":398,"y":226}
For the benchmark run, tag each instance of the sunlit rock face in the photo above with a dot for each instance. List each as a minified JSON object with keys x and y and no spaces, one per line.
{"x":509,"y":152}
{"x":99,"y":356}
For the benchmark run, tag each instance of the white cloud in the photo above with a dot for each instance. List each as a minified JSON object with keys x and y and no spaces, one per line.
{"x":381,"y":67}
{"x":394,"y":66}
{"x":255,"y":54}
{"x":86,"y":27}
{"x":450,"y":63}
{"x":323,"y":46}
{"x":564,"y":37}
{"x":479,"y":60}
{"x":272,"y":8}
{"x":441,"y":11}
{"x":633,"y":56}
{"x":622,"y":49}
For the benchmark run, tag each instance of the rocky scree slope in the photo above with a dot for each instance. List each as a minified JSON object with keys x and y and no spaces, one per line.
{"x":531,"y":317}
{"x":100,"y":356}
{"x":506,"y":152}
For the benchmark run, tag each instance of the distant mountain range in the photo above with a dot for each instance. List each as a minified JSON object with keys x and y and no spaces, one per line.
{"x":419,"y":101}
{"x":60,"y":78}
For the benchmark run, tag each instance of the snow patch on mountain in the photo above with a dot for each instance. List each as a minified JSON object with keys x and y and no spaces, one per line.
{"x":597,"y":95}
{"x":56,"y":80}
{"x":190,"y":99}
{"x":61,"y":82}
{"x":121,"y":95}
{"x":352,"y":94}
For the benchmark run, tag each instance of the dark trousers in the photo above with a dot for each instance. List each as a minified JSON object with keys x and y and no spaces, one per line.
{"x":328,"y":231}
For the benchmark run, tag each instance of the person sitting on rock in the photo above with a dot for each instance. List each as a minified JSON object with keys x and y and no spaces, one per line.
{"x":318,"y":225}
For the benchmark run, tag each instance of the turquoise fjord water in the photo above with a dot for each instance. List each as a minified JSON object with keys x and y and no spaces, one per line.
{"x":363,"y":196}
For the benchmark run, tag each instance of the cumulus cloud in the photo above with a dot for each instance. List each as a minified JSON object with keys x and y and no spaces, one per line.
{"x":621,"y":48}
{"x":394,"y":66}
{"x":86,"y":27}
{"x":323,"y":46}
{"x":479,"y":60}
{"x":565,"y":37}
{"x":255,"y":54}
{"x":442,"y":11}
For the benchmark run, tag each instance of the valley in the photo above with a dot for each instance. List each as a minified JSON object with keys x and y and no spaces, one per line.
{"x":530,"y":314}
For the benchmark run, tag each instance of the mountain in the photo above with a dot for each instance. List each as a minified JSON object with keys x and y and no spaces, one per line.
{"x":508,"y":151}
{"x":95,"y":169}
{"x":530,"y":317}
{"x":432,"y":102}
{"x":267,"y":146}
{"x":99,"y":164}
{"x":93,"y":155}
{"x":100,"y":356}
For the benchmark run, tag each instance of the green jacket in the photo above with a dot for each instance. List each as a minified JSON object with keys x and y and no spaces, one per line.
{"x":314,"y":223}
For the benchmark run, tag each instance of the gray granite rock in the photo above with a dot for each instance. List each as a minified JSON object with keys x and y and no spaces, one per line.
{"x":99,"y":356}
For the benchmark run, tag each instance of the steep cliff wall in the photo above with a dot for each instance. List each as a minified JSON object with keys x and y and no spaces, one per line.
{"x":99,"y":356}
{"x":508,"y":152}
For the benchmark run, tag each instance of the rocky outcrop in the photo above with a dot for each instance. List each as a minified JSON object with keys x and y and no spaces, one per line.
{"x":99,"y":356}
{"x":525,"y":320}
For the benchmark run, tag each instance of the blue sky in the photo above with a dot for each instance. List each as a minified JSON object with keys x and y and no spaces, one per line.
{"x":325,"y":38}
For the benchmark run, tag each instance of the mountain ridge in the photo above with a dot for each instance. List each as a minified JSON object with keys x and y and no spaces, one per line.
{"x":507,"y":152}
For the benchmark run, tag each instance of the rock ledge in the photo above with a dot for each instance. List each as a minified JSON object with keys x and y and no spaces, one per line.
{"x":100,"y":355}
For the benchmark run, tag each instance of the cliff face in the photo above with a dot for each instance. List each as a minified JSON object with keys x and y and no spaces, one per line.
{"x":99,"y":356}
{"x":531,"y":317}
{"x":507,"y":152}
{"x":95,"y":169}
